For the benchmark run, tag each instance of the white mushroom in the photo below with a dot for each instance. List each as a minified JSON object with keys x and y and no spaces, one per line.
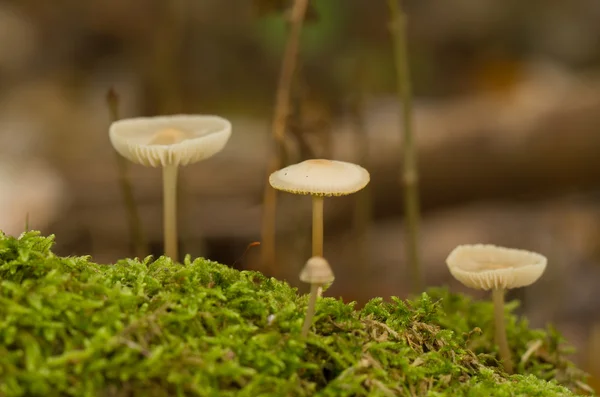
{"x":320,"y":178}
{"x":169,"y":142}
{"x":486,"y":267}
{"x":317,"y":273}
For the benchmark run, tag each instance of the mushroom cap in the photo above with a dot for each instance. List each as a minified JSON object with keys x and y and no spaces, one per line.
{"x":321,"y":177}
{"x":317,"y":271}
{"x":486,"y":266}
{"x":169,"y":140}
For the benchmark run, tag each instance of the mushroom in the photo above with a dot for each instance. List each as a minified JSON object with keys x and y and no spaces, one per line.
{"x":169,"y":142}
{"x":320,"y":178}
{"x":316,"y":272}
{"x":489,"y":267}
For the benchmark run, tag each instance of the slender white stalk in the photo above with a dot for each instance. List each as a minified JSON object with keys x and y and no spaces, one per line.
{"x":317,"y":230}
{"x":310,"y":311}
{"x":317,"y":226}
{"x":170,"y":211}
{"x":500,"y":329}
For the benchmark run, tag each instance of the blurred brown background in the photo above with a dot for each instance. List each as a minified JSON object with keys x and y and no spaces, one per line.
{"x":507,"y":115}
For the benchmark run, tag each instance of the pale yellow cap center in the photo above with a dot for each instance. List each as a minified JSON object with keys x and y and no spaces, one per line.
{"x":484,"y":266}
{"x":168,"y":136}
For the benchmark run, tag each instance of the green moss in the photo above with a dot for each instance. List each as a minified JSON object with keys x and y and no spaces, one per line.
{"x":69,"y":326}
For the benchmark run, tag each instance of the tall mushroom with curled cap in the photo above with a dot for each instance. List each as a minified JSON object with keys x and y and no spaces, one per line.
{"x":489,"y":267}
{"x":169,"y":142}
{"x":320,"y":178}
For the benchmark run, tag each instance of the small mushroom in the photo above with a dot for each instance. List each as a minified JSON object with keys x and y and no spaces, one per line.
{"x":169,"y":142}
{"x":317,"y":273}
{"x":320,"y":178}
{"x":489,"y":267}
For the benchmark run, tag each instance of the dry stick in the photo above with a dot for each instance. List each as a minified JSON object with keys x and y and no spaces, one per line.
{"x":278,"y":127}
{"x":169,"y":39}
{"x":135,"y":225}
{"x":362,"y":205}
{"x":410,"y":175}
{"x":593,"y":355}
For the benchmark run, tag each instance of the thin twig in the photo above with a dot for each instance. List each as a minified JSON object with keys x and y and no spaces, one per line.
{"x":168,"y":43}
{"x":135,"y":224}
{"x":410,"y":176}
{"x":362,"y":203}
{"x":278,"y":128}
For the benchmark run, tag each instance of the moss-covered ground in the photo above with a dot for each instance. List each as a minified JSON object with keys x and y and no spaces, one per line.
{"x":69,"y":326}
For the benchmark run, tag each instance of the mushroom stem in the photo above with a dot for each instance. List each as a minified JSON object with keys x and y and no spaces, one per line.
{"x":317,"y":230}
{"x":170,"y":210}
{"x":500,"y":329}
{"x":310,"y":311}
{"x":317,"y":226}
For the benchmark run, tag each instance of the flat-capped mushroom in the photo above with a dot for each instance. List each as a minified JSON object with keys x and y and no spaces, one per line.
{"x":320,"y":178}
{"x":317,"y":273}
{"x":169,"y":142}
{"x":485,"y":267}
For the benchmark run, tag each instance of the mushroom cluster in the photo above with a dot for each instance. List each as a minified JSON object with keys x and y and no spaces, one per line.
{"x":172,"y":141}
{"x":179,"y":140}
{"x":169,"y":142}
{"x":489,"y":267}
